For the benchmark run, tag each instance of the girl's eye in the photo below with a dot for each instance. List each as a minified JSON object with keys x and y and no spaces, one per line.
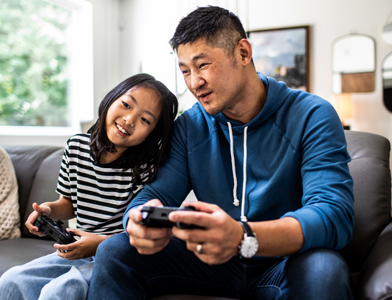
{"x":145,"y":120}
{"x":125,"y":104}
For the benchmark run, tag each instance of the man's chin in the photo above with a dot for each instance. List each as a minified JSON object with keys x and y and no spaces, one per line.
{"x":213,"y":111}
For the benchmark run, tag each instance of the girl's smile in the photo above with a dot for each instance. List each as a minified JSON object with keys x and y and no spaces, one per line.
{"x":122,"y":130}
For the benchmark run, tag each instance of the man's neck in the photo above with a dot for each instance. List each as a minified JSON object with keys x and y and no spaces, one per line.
{"x":252,"y":102}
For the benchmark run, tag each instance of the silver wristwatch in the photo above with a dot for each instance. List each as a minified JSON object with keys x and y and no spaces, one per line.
{"x":249,"y":245}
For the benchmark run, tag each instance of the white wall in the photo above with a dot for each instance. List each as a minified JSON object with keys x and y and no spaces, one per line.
{"x":330,"y":20}
{"x":149,"y":22}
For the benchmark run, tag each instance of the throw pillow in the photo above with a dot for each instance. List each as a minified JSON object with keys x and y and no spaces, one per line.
{"x":9,"y":205}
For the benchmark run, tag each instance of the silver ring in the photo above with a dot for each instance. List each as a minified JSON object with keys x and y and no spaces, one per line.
{"x":199,"y":248}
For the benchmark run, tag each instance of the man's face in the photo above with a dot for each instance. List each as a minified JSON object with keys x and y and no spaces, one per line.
{"x":213,"y":78}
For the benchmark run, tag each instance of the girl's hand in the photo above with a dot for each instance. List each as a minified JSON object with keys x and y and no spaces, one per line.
{"x":43,"y":210}
{"x":85,"y":247}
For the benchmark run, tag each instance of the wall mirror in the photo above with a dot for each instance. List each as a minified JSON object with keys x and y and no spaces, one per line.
{"x":387,"y":34}
{"x":386,"y":71}
{"x":353,"y":64}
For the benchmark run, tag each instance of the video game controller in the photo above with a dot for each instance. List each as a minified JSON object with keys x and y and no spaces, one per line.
{"x":153,"y":216}
{"x":55,"y":230}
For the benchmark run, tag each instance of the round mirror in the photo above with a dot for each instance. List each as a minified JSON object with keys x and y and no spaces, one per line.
{"x":387,"y":34}
{"x":353,"y":64}
{"x":387,"y":81}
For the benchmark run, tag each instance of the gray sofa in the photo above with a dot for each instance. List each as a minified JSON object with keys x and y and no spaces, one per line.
{"x":369,"y":254}
{"x":37,"y":169}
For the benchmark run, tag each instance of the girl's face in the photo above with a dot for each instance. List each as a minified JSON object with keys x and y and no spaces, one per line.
{"x":132,"y":117}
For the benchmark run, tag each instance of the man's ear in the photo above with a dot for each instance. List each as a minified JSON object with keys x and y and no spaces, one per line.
{"x":245,"y":50}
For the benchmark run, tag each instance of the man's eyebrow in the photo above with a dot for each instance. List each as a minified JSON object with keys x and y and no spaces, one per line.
{"x":145,"y":111}
{"x":196,"y":57}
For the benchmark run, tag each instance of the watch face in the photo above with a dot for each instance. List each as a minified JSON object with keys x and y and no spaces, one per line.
{"x":249,"y":247}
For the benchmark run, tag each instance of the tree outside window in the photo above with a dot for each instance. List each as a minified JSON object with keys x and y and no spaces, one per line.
{"x":33,"y":63}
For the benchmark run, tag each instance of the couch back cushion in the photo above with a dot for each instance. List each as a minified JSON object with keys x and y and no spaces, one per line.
{"x":44,"y":186}
{"x":27,"y":161}
{"x":370,"y":170}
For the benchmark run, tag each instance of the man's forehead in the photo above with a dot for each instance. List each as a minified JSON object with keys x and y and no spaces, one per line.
{"x":195,"y":50}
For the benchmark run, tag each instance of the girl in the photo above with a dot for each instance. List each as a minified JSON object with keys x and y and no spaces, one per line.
{"x":100,"y":173}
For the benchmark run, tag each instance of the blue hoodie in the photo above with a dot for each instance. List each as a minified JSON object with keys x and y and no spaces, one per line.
{"x":295,"y":164}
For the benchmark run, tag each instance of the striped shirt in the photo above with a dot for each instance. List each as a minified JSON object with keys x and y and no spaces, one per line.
{"x":99,"y":193}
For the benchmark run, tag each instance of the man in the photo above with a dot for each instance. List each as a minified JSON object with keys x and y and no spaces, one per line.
{"x":272,"y":236}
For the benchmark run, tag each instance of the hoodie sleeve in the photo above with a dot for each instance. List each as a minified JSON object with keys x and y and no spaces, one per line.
{"x":327,"y":213}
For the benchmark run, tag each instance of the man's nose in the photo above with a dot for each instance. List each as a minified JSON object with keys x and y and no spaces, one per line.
{"x":196,"y":81}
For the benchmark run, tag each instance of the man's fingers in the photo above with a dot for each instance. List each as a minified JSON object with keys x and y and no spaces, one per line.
{"x":203,"y":206}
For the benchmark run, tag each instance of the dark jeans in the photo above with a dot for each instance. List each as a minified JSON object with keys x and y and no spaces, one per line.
{"x":120,"y":272}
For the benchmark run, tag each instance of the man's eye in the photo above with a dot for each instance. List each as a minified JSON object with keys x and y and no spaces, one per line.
{"x":184,"y":72}
{"x":202,"y":65}
{"x":145,"y":120}
{"x":125,"y":104}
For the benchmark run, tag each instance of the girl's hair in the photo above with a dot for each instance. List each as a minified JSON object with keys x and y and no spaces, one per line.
{"x":155,"y":149}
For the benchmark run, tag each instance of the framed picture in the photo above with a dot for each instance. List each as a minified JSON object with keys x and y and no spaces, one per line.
{"x":283,"y":53}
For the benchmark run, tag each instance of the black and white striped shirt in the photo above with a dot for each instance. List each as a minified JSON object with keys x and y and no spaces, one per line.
{"x":100,"y":193}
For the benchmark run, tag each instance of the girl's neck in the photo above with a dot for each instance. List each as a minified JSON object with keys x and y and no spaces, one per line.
{"x":108,"y":157}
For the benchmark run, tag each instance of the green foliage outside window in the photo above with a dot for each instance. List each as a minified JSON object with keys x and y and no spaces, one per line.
{"x":33,"y":63}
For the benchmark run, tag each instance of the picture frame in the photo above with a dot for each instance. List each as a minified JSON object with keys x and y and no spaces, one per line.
{"x":283,"y":54}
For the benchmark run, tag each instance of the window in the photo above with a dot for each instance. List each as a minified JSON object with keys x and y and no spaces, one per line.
{"x":46,"y":80}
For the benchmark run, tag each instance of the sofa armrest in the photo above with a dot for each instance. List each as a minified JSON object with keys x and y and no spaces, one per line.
{"x":375,"y":281}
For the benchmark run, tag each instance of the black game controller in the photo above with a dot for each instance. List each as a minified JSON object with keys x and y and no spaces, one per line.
{"x":55,"y":230}
{"x":153,"y":216}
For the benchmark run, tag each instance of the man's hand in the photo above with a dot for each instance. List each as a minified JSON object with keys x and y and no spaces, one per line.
{"x":85,"y":247}
{"x":219,"y":239}
{"x":145,"y":239}
{"x":43,"y":210}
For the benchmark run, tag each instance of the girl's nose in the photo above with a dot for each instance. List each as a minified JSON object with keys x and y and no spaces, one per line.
{"x":129,"y":121}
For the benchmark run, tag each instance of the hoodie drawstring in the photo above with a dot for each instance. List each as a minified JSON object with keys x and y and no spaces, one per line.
{"x":236,"y":201}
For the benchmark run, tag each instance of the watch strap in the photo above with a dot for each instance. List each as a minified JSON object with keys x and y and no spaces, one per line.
{"x":247,"y":229}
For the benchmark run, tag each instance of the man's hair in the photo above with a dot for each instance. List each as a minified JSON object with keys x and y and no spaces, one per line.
{"x":155,"y":149}
{"x":220,"y":28}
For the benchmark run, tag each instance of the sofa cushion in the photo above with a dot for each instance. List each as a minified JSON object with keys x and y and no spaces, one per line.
{"x":43,"y":188}
{"x":20,"y":251}
{"x":9,"y":206}
{"x":375,"y":279}
{"x":26,"y":161}
{"x":369,"y":167}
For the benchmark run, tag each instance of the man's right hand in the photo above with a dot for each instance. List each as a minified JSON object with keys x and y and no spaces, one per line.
{"x":42,"y":210}
{"x":146,"y":240}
